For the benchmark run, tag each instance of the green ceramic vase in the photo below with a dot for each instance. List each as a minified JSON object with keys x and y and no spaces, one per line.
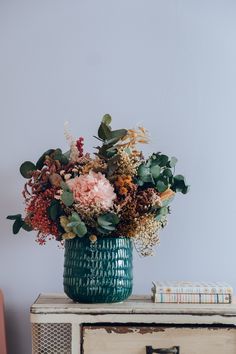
{"x":100,"y":272}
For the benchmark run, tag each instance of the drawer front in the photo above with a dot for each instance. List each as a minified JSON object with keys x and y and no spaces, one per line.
{"x":165,"y":340}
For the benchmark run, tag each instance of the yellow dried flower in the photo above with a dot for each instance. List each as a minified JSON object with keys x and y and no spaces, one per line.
{"x":64,"y":221}
{"x":96,"y":165}
{"x":145,"y":230}
{"x":135,"y":136}
{"x":93,"y":238}
{"x":127,"y":163}
{"x":68,"y":235}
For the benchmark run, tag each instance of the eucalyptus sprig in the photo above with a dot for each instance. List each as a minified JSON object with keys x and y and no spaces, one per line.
{"x":108,"y":137}
{"x":158,"y":172}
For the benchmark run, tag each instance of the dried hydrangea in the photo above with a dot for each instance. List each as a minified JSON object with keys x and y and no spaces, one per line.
{"x":92,"y":190}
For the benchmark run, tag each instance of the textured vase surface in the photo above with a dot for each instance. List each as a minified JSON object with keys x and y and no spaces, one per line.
{"x":98,"y":272}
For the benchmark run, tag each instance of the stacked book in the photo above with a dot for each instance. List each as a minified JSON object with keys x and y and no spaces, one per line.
{"x":192,"y":292}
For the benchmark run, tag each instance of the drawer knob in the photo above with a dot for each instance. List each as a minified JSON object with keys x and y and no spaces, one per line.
{"x":172,"y":350}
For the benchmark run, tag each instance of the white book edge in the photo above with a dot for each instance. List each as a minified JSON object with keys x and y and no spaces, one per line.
{"x":214,"y":288}
{"x":193,"y":298}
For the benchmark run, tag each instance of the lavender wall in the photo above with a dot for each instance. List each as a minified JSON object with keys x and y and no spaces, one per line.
{"x":168,"y":64}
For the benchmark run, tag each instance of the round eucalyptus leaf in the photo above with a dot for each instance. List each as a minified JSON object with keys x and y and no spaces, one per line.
{"x":173,"y":161}
{"x":80,"y":229}
{"x":107,"y":119}
{"x":27,"y":168}
{"x":155,"y":171}
{"x":41,"y":160}
{"x":161,"y":186}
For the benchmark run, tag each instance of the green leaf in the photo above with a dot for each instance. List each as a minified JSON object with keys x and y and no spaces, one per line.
{"x":162,"y":160}
{"x":109,"y":227}
{"x":111,"y":151}
{"x":114,"y":219}
{"x":14,"y":217}
{"x":72,"y":224}
{"x":64,"y":159}
{"x":161,"y":213}
{"x":185,"y":190}
{"x":139,"y":182}
{"x":54,"y":210}
{"x":155,"y":171}
{"x":108,"y":219}
{"x":27,"y":227}
{"x":104,"y":132}
{"x":41,"y":160}
{"x":80,"y":229}
{"x":75,"y":217}
{"x":168,"y":201}
{"x":107,"y":119}
{"x":179,"y":185}
{"x":26,"y":169}
{"x":112,"y":165}
{"x":65,"y":186}
{"x":67,"y":198}
{"x":103,"y":222}
{"x":57,"y":154}
{"x":102,"y":231}
{"x":67,"y":154}
{"x":173,"y":161}
{"x":19,"y":222}
{"x":17,"y":226}
{"x":161,"y":186}
{"x":96,"y":137}
{"x":179,"y":178}
{"x":144,"y":173}
{"x":120,"y":133}
{"x":167,"y":173}
{"x":112,"y":141}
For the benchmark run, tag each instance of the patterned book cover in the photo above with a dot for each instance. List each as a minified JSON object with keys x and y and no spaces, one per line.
{"x":187,"y":287}
{"x":192,"y":298}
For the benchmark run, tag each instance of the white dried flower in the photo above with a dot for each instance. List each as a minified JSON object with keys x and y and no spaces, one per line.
{"x":67,"y":176}
{"x":74,"y":152}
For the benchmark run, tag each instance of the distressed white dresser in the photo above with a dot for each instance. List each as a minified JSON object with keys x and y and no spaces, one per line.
{"x":137,"y":326}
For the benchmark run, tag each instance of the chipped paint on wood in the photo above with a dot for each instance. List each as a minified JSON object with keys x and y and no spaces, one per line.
{"x":126,"y":329}
{"x":133,"y":340}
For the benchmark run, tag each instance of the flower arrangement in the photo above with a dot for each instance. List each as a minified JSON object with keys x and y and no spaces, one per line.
{"x":114,"y":192}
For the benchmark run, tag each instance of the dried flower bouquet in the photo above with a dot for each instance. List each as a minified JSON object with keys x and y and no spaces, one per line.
{"x":114,"y":192}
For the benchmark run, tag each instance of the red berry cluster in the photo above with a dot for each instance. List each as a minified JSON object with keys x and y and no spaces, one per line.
{"x":37,"y":213}
{"x":80,"y":146}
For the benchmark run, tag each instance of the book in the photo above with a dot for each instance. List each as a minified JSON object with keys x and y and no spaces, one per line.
{"x":192,"y":292}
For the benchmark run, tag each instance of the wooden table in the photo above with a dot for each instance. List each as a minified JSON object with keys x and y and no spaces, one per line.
{"x":136,"y":326}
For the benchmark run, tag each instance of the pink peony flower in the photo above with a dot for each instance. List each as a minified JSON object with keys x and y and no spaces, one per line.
{"x":92,"y":189}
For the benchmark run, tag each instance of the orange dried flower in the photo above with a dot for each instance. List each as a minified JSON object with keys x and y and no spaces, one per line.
{"x":123,"y":191}
{"x":135,"y":136}
{"x":124,"y":184}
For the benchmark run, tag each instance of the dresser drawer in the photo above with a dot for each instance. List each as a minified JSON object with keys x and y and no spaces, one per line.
{"x":146,"y":339}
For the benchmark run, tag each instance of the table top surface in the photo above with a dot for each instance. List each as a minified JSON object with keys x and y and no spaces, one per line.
{"x":136,"y":304}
